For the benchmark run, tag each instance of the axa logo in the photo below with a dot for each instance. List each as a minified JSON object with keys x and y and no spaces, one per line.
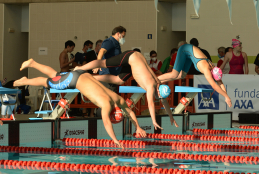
{"x":1,"y":136}
{"x":146,"y":127}
{"x":198,"y":124}
{"x":74,"y":132}
{"x":211,"y":104}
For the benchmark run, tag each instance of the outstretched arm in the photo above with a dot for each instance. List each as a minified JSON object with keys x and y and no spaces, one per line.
{"x":169,"y":112}
{"x":1,"y":123}
{"x":219,"y":88}
{"x":226,"y":60}
{"x":124,"y":107}
{"x":92,"y":65}
{"x":99,"y":57}
{"x":151,"y":106}
{"x":106,"y":110}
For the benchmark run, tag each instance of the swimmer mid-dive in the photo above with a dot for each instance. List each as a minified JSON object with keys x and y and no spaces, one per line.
{"x":188,"y":54}
{"x":88,"y":86}
{"x":134,"y":63}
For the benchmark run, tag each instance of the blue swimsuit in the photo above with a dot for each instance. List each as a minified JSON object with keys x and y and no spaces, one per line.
{"x":185,"y":58}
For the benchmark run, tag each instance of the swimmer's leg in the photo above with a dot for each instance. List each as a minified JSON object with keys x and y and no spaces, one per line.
{"x":93,"y":64}
{"x":109,"y":79}
{"x":50,"y":72}
{"x":174,"y":75}
{"x":38,"y":81}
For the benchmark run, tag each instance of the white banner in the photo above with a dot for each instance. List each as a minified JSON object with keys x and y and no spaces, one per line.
{"x":74,"y":129}
{"x":242,"y":90}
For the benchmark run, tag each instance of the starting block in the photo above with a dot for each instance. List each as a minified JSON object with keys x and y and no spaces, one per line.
{"x":58,"y":111}
{"x":184,"y":102}
{"x":192,"y":92}
{"x":138,"y":92}
{"x":4,"y":91}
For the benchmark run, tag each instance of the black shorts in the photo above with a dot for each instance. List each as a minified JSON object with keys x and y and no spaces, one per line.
{"x":65,"y":80}
{"x":121,"y":60}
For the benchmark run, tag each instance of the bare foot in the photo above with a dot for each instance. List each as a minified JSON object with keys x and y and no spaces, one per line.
{"x":19,"y":82}
{"x":26,"y":64}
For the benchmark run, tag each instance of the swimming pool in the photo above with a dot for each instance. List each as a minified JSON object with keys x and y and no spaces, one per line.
{"x":150,"y":155}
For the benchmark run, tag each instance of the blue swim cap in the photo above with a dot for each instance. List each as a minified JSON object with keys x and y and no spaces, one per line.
{"x":164,"y":91}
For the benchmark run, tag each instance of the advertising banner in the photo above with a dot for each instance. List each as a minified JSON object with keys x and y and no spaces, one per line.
{"x":242,"y":90}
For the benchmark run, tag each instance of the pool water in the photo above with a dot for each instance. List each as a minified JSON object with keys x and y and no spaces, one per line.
{"x":209,"y":165}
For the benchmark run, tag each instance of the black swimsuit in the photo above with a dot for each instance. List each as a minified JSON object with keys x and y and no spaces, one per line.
{"x":121,"y":60}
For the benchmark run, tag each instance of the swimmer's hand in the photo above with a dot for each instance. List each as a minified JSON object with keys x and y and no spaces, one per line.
{"x":228,"y":101}
{"x":140,"y":132}
{"x":157,"y":126}
{"x":118,"y":144}
{"x":172,"y":120}
{"x":95,"y":71}
{"x":1,"y":123}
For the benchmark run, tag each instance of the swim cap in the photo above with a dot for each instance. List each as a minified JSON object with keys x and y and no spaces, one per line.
{"x":235,"y":43}
{"x":116,"y":115}
{"x":164,"y":91}
{"x":216,"y":73}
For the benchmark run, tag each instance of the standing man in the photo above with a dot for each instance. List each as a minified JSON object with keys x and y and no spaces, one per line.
{"x":111,"y":47}
{"x":80,"y":55}
{"x":63,"y":57}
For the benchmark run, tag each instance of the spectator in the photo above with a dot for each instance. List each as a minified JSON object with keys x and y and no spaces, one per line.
{"x":92,"y":54}
{"x":237,"y":59}
{"x":111,"y":47}
{"x":166,"y":62}
{"x":221,"y":60}
{"x":136,"y":49}
{"x":154,"y":63}
{"x":228,"y":49}
{"x":171,"y":65}
{"x":256,"y":62}
{"x":80,"y":55}
{"x":221,"y":52}
{"x":63,"y":57}
{"x":195,"y":42}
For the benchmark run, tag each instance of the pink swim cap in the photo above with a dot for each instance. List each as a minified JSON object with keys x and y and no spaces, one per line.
{"x":235,"y":43}
{"x":216,"y":73}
